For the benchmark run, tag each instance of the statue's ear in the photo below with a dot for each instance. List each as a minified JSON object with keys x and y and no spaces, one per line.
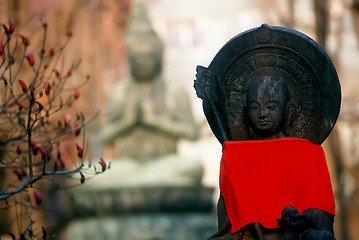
{"x":290,"y":112}
{"x":290,"y":116}
{"x":250,"y":133}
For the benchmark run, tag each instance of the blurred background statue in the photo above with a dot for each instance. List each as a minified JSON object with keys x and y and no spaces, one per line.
{"x":147,"y":116}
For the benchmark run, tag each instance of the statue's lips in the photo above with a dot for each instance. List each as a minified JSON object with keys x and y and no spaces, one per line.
{"x":263,"y":123}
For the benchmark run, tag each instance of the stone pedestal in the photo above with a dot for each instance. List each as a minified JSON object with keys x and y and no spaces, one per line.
{"x":142,"y":213}
{"x":174,"y":226}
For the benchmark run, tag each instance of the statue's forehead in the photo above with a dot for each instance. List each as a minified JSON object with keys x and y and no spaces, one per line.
{"x":267,"y":84}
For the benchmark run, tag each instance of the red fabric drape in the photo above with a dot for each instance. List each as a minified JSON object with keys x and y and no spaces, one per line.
{"x":259,"y":178}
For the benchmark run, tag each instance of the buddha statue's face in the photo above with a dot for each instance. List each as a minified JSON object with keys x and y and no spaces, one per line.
{"x":267,"y":102}
{"x":145,"y":60}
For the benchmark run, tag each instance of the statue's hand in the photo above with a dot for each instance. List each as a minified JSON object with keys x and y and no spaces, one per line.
{"x":292,"y":220}
{"x":146,"y":111}
{"x":204,"y":80}
{"x":310,"y":224}
{"x":139,"y":112}
{"x":208,"y":89}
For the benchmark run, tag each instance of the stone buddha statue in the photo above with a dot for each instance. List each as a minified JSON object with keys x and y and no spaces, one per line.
{"x":149,"y":182}
{"x":146,"y":116}
{"x":271,"y":96}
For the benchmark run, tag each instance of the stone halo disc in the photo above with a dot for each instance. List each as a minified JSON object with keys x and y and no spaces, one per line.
{"x":287,"y":54}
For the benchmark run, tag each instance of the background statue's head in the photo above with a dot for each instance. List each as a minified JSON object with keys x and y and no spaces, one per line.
{"x":143,"y":47}
{"x":269,"y":110}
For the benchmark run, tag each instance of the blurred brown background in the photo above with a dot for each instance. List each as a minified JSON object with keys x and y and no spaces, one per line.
{"x":193,"y":32}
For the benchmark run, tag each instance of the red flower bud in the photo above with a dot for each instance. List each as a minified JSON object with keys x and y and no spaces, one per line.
{"x":30,"y":58}
{"x":69,"y":72}
{"x":52,"y":52}
{"x":103,"y":164}
{"x":82,"y":177}
{"x":1,"y":49}
{"x":42,"y":51}
{"x":43,"y":153}
{"x":24,"y":40}
{"x":20,"y":105}
{"x":18,"y":173}
{"x":35,"y":148}
{"x":69,"y":33}
{"x":59,"y":123}
{"x":11,"y":27}
{"x":22,"y":85}
{"x":9,"y":30}
{"x":18,"y":150}
{"x":41,"y":93}
{"x":80,"y":151}
{"x":38,"y":197}
{"x":77,"y":129}
{"x":48,"y":89}
{"x":76,"y":94}
{"x":67,"y":119}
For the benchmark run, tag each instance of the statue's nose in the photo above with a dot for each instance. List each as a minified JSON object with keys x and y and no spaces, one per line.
{"x":263,"y":113}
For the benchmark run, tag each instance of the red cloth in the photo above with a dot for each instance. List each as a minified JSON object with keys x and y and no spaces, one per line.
{"x":259,"y":178}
